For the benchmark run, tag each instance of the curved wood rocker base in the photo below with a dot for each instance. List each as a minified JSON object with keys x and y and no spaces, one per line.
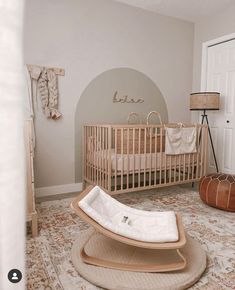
{"x":134,"y":267}
{"x":172,"y":261}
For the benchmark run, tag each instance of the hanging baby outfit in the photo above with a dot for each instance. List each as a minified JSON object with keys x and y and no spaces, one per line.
{"x":47,"y":83}
{"x":48,"y":89}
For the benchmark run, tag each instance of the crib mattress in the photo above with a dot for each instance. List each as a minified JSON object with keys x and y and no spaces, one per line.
{"x":129,"y":222}
{"x":133,"y":162}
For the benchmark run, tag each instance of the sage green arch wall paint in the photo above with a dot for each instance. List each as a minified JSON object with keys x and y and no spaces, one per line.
{"x":96,"y":103}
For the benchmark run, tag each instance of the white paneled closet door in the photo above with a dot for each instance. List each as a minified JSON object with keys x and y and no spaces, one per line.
{"x":221,"y":78}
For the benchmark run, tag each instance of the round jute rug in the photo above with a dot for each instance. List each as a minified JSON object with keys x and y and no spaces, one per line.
{"x":105,"y":248}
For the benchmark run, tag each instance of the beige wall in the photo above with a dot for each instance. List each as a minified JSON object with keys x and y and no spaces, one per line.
{"x":88,"y":37}
{"x":209,"y":28}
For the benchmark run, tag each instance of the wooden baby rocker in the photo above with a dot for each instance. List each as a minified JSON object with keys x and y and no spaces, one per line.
{"x":99,"y":200}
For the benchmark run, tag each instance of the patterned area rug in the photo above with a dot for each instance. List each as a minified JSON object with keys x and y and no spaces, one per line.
{"x":49,"y":263}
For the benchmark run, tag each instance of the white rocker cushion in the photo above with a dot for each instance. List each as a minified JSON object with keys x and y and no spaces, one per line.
{"x":129,"y":222}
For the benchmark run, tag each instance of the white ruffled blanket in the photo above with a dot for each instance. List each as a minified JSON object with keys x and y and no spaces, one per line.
{"x":129,"y":222}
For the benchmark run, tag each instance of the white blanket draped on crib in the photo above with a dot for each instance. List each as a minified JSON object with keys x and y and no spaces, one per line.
{"x":180,"y":140}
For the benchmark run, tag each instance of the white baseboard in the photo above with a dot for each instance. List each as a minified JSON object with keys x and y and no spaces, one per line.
{"x":58,"y":189}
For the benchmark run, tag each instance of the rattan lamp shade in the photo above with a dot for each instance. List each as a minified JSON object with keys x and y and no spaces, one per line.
{"x":204,"y":101}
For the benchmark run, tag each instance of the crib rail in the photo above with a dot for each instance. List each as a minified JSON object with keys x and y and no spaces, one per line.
{"x":123,"y":158}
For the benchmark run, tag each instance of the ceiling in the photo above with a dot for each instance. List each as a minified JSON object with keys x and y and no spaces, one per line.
{"x":190,"y":10}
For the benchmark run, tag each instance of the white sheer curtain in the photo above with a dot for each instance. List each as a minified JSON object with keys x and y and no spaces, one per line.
{"x":12,"y":180}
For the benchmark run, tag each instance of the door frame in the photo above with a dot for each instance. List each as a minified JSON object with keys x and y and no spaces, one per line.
{"x":205,"y":47}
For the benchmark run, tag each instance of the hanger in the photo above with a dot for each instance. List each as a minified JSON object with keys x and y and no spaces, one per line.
{"x":58,"y":71}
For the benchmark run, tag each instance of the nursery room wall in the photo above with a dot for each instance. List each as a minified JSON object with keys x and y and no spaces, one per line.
{"x":87,"y":38}
{"x":208,"y":28}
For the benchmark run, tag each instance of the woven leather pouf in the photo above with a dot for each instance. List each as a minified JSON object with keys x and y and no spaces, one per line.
{"x":218,"y":190}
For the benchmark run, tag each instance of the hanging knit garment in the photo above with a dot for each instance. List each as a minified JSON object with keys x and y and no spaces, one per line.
{"x":53,"y":94}
{"x":48,"y":89}
{"x":44,"y":92}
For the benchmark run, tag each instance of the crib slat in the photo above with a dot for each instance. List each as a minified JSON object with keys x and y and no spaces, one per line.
{"x":179,"y":167}
{"x":145,"y":156}
{"x":175,"y":171}
{"x":109,"y":158}
{"x":194,"y":166}
{"x":199,"y":151}
{"x":139,"y":157}
{"x":133,"y":172}
{"x":89,"y":152}
{"x":150,"y":154}
{"x":184,"y":167}
{"x":164,"y":160}
{"x":88,"y":159}
{"x":92,"y":154}
{"x":84,"y":153}
{"x":94,"y":164}
{"x":170,"y":168}
{"x":165,"y":167}
{"x":189,"y":165}
{"x":122,"y":154}
{"x":160,"y":171}
{"x":156,"y":157}
{"x":115,"y":158}
{"x":102,"y":156}
{"x":98,"y":155}
{"x":127,"y":171}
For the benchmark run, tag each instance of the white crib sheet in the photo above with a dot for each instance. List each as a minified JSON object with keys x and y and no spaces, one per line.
{"x":146,"y":161}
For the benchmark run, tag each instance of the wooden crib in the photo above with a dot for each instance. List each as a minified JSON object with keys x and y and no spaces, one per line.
{"x":124,"y":158}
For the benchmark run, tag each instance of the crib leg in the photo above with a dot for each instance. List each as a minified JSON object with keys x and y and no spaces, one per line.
{"x":84,"y":185}
{"x":34,"y":225}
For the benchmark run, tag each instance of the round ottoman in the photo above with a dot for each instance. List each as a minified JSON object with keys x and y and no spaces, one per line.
{"x":218,"y":190}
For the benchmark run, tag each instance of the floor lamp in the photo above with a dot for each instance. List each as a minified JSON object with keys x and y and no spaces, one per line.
{"x":206,"y":101}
